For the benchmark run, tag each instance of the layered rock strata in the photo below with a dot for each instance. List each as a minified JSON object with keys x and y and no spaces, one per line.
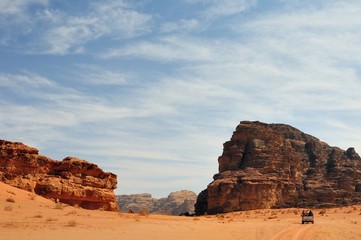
{"x":72,"y":181}
{"x":276,"y":165}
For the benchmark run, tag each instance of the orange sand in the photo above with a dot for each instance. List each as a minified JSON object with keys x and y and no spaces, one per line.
{"x":26,"y":216}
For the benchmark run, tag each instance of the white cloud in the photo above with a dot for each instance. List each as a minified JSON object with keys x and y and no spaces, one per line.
{"x":183,"y":25}
{"x":56,"y":103}
{"x":96,"y":75}
{"x":17,"y":7}
{"x":28,"y":79}
{"x":120,"y":19}
{"x":61,"y":33}
{"x":16,"y":19}
{"x":227,"y":8}
{"x":71,"y":36}
{"x":170,"y":48}
{"x":213,"y":9}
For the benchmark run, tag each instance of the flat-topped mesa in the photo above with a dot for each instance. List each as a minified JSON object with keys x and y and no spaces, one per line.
{"x":72,"y":181}
{"x":276,"y":165}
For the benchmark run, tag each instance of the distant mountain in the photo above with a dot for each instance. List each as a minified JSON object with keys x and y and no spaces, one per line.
{"x":175,"y":204}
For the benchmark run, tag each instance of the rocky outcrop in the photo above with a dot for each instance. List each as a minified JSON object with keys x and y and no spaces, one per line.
{"x":276,"y":165}
{"x":176,"y":203}
{"x":72,"y":181}
{"x":136,"y":202}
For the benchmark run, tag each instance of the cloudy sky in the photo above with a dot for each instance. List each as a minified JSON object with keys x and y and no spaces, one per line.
{"x":151,"y":89}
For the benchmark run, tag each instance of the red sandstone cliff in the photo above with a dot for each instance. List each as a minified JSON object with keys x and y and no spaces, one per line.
{"x":72,"y":181}
{"x":276,"y":165}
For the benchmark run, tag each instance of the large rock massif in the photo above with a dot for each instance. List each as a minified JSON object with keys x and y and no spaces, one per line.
{"x":175,"y":204}
{"x":276,"y":165}
{"x":71,"y":181}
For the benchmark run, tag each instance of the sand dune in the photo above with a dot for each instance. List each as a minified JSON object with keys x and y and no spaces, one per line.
{"x":28,"y":216}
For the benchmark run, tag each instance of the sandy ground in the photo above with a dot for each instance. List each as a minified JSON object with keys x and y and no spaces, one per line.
{"x":26,"y":216}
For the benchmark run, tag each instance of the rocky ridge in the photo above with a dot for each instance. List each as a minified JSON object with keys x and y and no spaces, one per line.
{"x":72,"y":181}
{"x":175,"y":204}
{"x":276,"y":165}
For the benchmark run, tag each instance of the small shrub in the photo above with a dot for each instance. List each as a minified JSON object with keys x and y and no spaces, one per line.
{"x":71,"y":223}
{"x":71,"y":213}
{"x":274,"y":213}
{"x":322,"y":212}
{"x":11,"y":192}
{"x":51,"y":220}
{"x":11,"y":200}
{"x":38,"y":216}
{"x":59,"y":206}
{"x":220,"y":216}
{"x":32,"y":196}
{"x":143,"y":212}
{"x":8,"y":208}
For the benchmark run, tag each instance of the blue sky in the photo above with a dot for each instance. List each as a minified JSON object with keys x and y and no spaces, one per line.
{"x":150,"y":90}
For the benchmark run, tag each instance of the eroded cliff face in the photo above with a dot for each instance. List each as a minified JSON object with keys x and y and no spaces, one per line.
{"x":72,"y":181}
{"x":276,"y":165}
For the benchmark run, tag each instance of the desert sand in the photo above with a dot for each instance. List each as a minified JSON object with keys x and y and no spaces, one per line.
{"x":27,"y":216}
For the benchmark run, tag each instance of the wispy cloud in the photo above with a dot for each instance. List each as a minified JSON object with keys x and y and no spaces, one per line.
{"x":16,"y":19}
{"x":170,"y":48}
{"x":209,"y":13}
{"x":183,"y":25}
{"x":114,"y":19}
{"x":54,"y":100}
{"x":227,"y":8}
{"x":63,"y":33}
{"x":215,"y":9}
{"x":96,"y":75}
{"x":27,"y":79}
{"x":17,"y":7}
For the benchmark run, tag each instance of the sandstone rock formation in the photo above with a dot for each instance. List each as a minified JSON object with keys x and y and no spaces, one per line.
{"x":71,"y":181}
{"x":136,"y":202}
{"x":276,"y":165}
{"x":175,"y":204}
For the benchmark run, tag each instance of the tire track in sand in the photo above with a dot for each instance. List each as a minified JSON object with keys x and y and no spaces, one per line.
{"x":291,"y":233}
